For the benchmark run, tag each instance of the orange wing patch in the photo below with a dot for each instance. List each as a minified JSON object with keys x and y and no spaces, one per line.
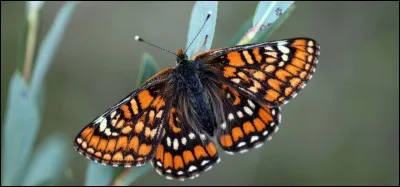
{"x":127,"y":134}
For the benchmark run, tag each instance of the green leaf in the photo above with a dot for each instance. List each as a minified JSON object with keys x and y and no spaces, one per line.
{"x":21,"y":125}
{"x":49,"y":46}
{"x":268,"y":11}
{"x":22,"y":116}
{"x":199,"y":14}
{"x":266,"y":33}
{"x":148,"y":67}
{"x":49,"y":161}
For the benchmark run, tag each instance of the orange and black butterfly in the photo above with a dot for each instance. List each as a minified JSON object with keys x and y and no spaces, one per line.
{"x":233,"y":94}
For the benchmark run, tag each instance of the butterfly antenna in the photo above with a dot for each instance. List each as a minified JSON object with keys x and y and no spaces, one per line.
{"x":208,"y":16}
{"x":138,"y":38}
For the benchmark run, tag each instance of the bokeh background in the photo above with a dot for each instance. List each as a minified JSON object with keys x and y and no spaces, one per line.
{"x":343,"y":128}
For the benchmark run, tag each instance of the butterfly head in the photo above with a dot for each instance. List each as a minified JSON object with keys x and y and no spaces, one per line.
{"x":181,"y":56}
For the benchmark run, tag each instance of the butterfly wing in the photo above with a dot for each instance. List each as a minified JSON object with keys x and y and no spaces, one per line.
{"x":248,"y":84}
{"x":185,"y":150}
{"x":128,"y":133}
{"x":243,"y":123}
{"x":270,"y":72}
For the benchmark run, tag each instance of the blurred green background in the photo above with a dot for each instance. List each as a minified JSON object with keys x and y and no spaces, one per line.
{"x":343,"y":128}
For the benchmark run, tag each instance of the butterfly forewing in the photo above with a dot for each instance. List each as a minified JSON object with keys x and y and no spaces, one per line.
{"x":128,"y":133}
{"x":270,"y":72}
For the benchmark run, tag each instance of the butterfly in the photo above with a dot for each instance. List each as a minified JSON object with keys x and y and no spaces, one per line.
{"x":231,"y":94}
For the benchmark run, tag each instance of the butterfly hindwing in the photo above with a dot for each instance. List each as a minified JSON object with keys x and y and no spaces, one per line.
{"x":270,"y":72}
{"x":128,"y":133}
{"x":247,"y":123}
{"x":183,"y":152}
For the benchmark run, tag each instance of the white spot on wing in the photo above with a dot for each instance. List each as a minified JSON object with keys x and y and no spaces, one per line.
{"x":192,"y":168}
{"x":100,"y":119}
{"x":239,"y":114}
{"x":168,"y":142}
{"x":223,"y":125}
{"x":79,"y":140}
{"x":183,"y":140}
{"x":248,"y":110}
{"x":283,"y":49}
{"x":159,"y":172}
{"x":230,"y":116}
{"x":159,"y":164}
{"x":243,"y":151}
{"x":229,"y":152}
{"x":269,"y":48}
{"x":107,"y":131}
{"x":204,"y":162}
{"x":103,"y":125}
{"x":276,"y":129}
{"x":191,"y":136}
{"x":253,"y":139}
{"x":251,"y":104}
{"x":241,"y":144}
{"x":265,"y":133}
{"x":159,"y":114}
{"x":113,"y":114}
{"x":285,"y":57}
{"x":235,"y":80}
{"x":279,"y":118}
{"x":179,"y":172}
{"x":176,"y":144}
{"x":282,"y":42}
{"x":114,"y":134}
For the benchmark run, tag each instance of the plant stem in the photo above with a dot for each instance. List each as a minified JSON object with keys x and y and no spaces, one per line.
{"x":33,"y":22}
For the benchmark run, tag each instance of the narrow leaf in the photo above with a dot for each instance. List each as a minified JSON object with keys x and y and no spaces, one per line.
{"x":268,"y":11}
{"x":266,"y":33}
{"x":199,"y":15}
{"x":49,"y":46}
{"x":49,"y":161}
{"x":148,"y":67}
{"x":20,"y":128}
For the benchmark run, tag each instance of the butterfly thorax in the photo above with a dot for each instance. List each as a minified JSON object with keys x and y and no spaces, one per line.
{"x":189,"y":84}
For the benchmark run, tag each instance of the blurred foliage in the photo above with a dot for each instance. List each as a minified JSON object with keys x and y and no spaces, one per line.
{"x":25,"y":100}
